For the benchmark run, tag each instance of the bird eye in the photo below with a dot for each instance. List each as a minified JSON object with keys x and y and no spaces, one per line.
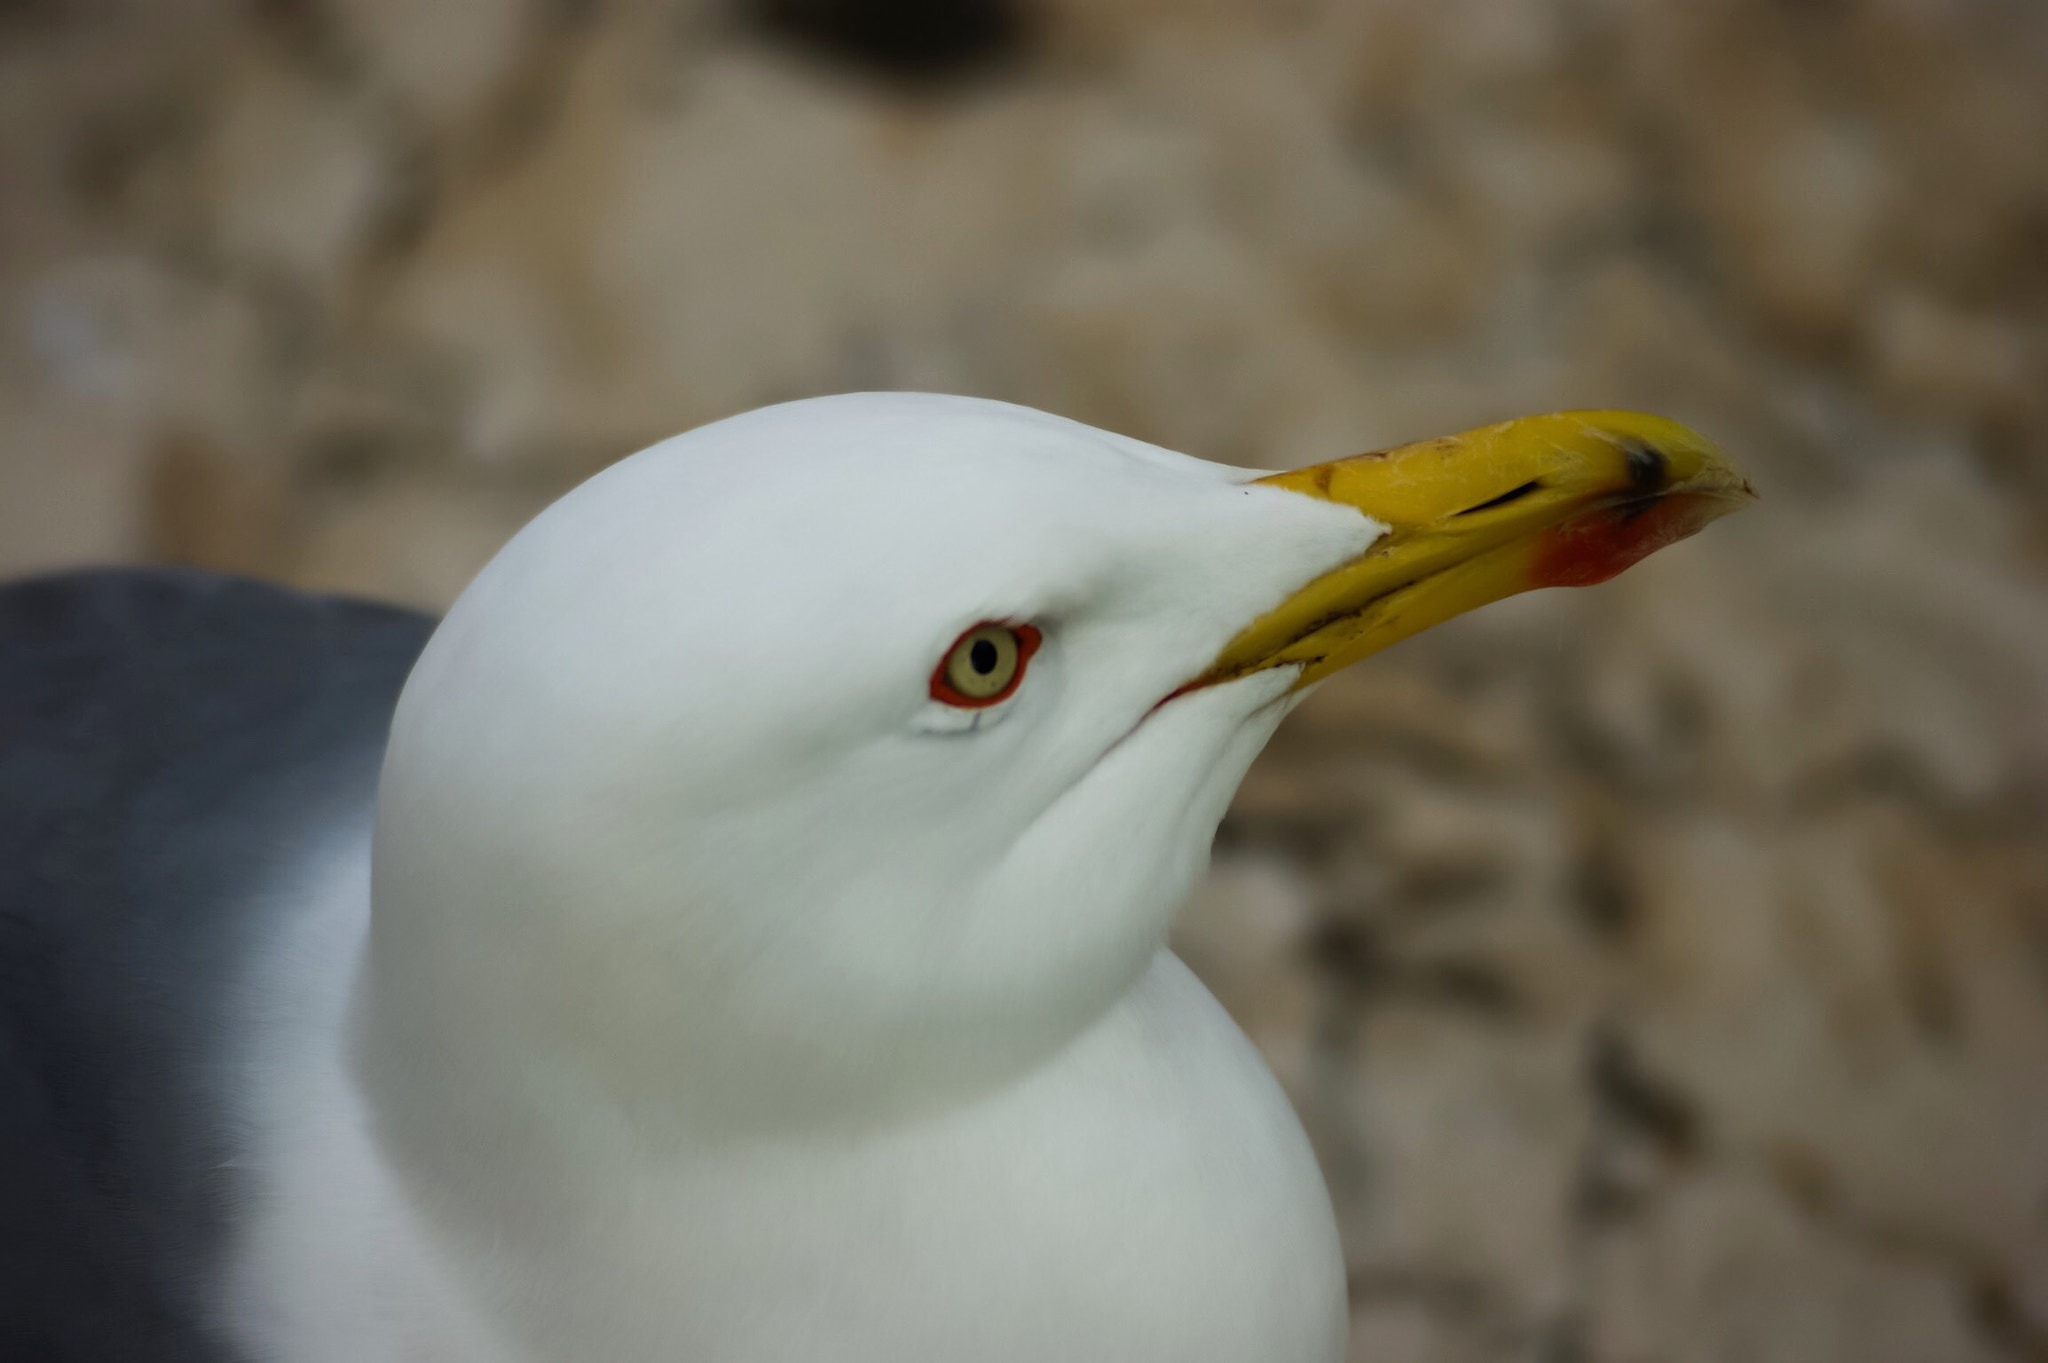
{"x":984,"y":665}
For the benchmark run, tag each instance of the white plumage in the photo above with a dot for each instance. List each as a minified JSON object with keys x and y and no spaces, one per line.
{"x":727,"y":997}
{"x":754,"y":950}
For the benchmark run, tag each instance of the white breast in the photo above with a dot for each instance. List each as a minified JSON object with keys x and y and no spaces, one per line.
{"x":1148,"y":1195}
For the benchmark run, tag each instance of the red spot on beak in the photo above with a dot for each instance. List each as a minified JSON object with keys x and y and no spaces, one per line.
{"x":1594,"y":547}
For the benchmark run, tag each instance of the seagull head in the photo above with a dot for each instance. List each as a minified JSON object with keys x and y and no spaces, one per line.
{"x":853,"y":754}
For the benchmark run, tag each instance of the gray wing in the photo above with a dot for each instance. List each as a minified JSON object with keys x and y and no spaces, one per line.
{"x":167,"y":739}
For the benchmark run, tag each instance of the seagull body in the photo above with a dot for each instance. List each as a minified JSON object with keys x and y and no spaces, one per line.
{"x":744,"y":936}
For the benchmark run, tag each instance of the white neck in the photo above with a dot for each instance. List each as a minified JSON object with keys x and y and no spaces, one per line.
{"x":1157,"y":1196}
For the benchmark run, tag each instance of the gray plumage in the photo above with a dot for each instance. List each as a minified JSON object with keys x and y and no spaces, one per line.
{"x":168,"y":741}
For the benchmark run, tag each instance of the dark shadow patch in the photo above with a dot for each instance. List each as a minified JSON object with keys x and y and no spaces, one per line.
{"x":1311,"y":839}
{"x":1925,"y":972}
{"x":1801,"y":1174}
{"x":23,"y":14}
{"x":1640,"y":1101}
{"x":1432,"y":889}
{"x":915,"y":43}
{"x":407,"y":199}
{"x":1358,"y":959}
{"x":529,"y":102}
{"x":2033,"y":925}
{"x":307,"y":34}
{"x":1603,"y":1196}
{"x":110,"y":150}
{"x":1996,"y":1311}
{"x":1607,"y":903}
{"x":1634,"y":1114}
{"x":1441,"y":1292}
{"x":1351,"y":953}
{"x":1466,"y":985}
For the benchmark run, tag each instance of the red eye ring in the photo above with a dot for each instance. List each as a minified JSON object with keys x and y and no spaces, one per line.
{"x":985,"y":665}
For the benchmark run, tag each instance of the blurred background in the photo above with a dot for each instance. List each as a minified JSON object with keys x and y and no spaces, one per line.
{"x":1661,"y":969}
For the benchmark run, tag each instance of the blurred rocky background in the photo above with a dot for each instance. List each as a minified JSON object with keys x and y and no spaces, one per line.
{"x":1662,"y":969}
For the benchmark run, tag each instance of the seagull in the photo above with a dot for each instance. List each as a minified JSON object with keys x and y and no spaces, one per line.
{"x":737,"y":930}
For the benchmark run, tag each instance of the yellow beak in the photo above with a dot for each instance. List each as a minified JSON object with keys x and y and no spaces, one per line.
{"x":1546,"y":501}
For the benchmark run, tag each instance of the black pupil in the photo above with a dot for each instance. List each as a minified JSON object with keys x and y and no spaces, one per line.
{"x":982,"y":656}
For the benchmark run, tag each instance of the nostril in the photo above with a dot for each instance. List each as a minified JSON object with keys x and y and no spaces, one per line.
{"x":1513,"y":494}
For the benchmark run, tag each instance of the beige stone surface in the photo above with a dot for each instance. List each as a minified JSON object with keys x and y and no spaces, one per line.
{"x":1661,"y":969}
